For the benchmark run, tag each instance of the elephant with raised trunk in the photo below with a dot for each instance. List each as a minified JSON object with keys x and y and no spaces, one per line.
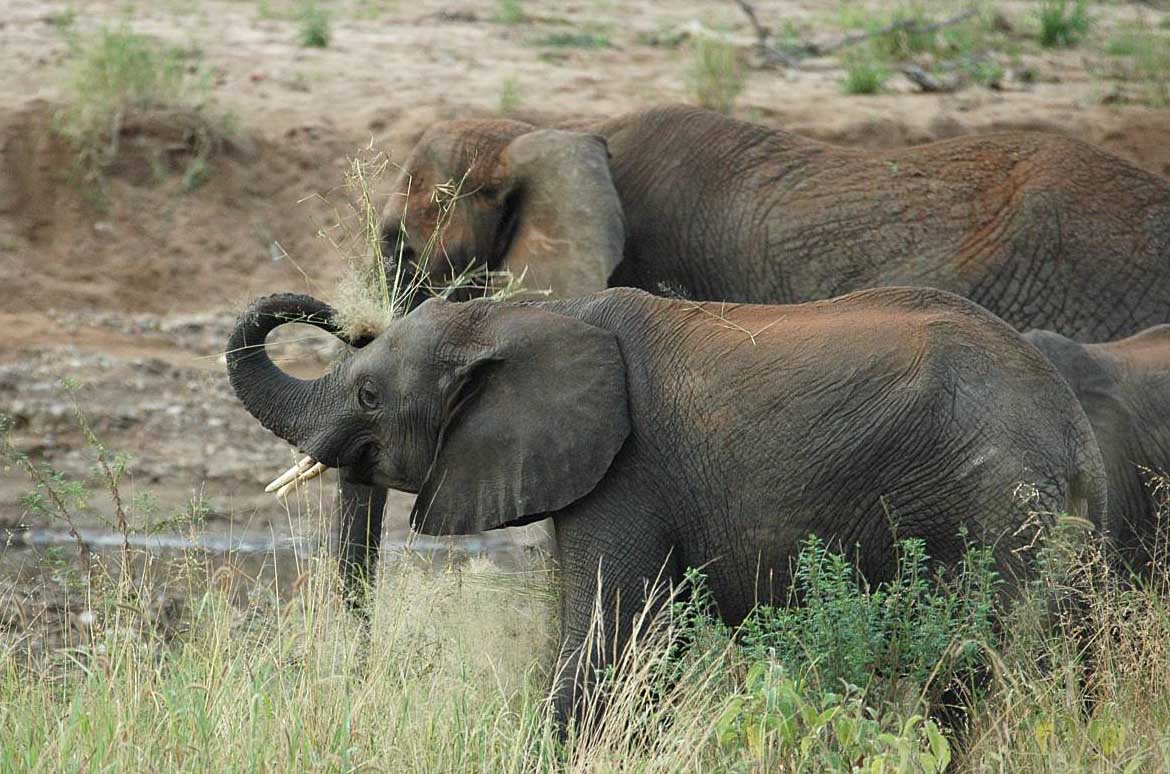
{"x":1044,"y":231}
{"x":661,"y":434}
{"x":1124,"y":389}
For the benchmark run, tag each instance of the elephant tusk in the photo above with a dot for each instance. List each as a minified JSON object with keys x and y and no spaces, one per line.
{"x":303,"y":478}
{"x":304,"y":471}
{"x":290,"y":474}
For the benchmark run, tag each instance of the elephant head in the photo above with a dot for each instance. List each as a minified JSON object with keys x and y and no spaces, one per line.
{"x":494,"y":414}
{"x":509,"y":197}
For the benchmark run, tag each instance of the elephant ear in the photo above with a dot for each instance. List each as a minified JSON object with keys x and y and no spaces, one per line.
{"x":1114,"y":424}
{"x":533,"y":419}
{"x":568,"y":228}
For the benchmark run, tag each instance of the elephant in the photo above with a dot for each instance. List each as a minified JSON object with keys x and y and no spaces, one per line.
{"x":661,"y":434}
{"x":1124,"y":389}
{"x":1043,"y":230}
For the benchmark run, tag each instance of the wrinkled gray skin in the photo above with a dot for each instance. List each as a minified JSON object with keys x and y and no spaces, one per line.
{"x":1043,"y":230}
{"x":1124,"y":388}
{"x":661,"y":434}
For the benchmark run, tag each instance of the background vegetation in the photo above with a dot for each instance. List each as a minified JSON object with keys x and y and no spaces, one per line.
{"x":452,"y":673}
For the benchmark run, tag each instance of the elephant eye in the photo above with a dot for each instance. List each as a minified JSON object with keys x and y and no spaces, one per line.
{"x":368,"y":397}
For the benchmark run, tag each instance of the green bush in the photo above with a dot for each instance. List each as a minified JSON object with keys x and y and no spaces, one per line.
{"x":114,"y":76}
{"x":1148,"y":54}
{"x":777,"y":721}
{"x":509,"y":12}
{"x":715,"y":77}
{"x":865,"y":73}
{"x":839,"y":676}
{"x":1063,"y":24}
{"x":910,"y":636}
{"x":313,"y":25}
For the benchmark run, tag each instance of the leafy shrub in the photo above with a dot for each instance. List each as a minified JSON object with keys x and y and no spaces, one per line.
{"x":1063,"y":23}
{"x":313,"y":21}
{"x":116,"y":74}
{"x":817,"y":674}
{"x":901,"y":638}
{"x":777,"y":721}
{"x":865,"y":73}
{"x":1148,"y":55}
{"x":509,"y":12}
{"x":715,"y":78}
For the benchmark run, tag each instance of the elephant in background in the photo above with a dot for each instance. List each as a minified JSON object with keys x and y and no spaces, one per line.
{"x":1044,"y":231}
{"x":662,"y":434}
{"x":1124,"y":389}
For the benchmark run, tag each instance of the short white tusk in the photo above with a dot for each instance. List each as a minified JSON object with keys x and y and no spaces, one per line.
{"x":293,"y":472}
{"x":306,"y":476}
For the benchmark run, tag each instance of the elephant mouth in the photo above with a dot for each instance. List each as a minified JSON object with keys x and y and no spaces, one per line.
{"x":360,"y":466}
{"x":361,"y":458}
{"x":506,"y":233}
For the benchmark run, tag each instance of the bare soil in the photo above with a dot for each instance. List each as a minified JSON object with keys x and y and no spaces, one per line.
{"x":132,"y":292}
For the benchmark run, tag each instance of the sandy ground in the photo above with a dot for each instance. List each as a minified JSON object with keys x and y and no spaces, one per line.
{"x":133,"y":297}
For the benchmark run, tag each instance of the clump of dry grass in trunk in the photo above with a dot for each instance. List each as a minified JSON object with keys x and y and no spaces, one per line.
{"x":370,"y":296}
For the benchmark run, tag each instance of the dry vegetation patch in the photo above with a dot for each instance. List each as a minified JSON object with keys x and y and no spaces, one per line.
{"x":196,"y":670}
{"x":120,"y":82}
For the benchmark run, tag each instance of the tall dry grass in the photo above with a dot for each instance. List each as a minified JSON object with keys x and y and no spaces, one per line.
{"x":243,"y":671}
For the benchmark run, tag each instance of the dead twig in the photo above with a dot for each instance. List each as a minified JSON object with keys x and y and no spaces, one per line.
{"x":724,"y":322}
{"x":929,"y":82}
{"x":771,"y":54}
{"x":793,"y":55}
{"x":903,"y":25}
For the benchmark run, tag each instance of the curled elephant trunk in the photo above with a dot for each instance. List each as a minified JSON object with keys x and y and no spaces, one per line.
{"x":298,"y":410}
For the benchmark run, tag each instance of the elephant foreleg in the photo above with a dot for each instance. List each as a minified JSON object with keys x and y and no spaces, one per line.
{"x":358,"y":537}
{"x":613,"y":583}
